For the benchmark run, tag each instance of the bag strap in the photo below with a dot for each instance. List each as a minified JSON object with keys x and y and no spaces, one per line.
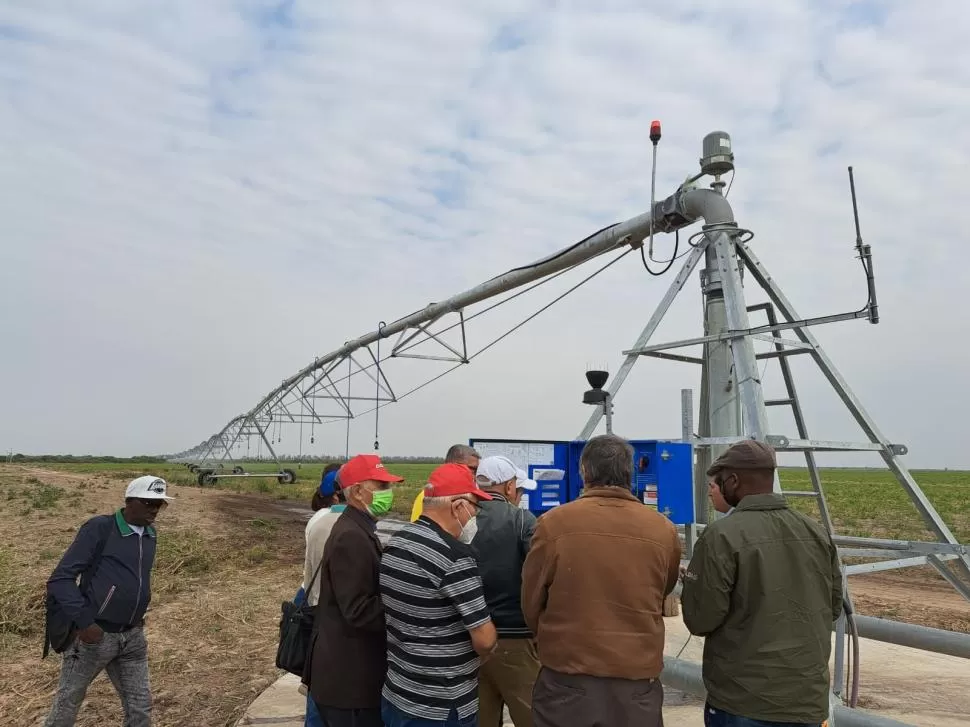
{"x":103,"y":536}
{"x":313,"y":578}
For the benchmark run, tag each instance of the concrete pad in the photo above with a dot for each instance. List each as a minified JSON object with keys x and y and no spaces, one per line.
{"x":909,"y":685}
{"x":919,"y":688}
{"x":280,"y":705}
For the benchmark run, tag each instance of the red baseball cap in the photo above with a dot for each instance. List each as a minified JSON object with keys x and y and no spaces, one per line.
{"x":453,"y":479}
{"x":364,"y":467}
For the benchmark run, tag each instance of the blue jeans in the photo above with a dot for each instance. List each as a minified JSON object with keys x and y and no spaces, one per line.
{"x":394,"y":717}
{"x":312,"y":718}
{"x":714,"y":717}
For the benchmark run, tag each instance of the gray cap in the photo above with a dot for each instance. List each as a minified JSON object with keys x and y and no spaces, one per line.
{"x":747,"y":455}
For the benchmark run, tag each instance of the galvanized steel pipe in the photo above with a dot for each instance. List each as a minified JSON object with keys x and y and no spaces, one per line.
{"x":925,"y":638}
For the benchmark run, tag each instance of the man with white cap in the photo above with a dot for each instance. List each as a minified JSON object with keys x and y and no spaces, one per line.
{"x":501,"y":544}
{"x":113,"y":555}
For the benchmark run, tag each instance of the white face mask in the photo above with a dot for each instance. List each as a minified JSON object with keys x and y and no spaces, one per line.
{"x":469,"y":530}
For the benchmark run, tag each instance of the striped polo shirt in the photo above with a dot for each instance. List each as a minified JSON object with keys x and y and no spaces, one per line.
{"x":432,"y":596}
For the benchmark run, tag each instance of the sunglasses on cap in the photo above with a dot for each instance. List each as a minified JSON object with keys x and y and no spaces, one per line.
{"x":152,"y":503}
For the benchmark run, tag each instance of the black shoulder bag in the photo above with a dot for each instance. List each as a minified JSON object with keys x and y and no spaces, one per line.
{"x":296,"y":630}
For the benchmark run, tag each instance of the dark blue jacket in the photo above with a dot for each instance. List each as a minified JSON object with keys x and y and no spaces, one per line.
{"x":116,"y":594}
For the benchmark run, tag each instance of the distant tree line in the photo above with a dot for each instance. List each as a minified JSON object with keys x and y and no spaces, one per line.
{"x":145,"y":458}
{"x":80,"y":458}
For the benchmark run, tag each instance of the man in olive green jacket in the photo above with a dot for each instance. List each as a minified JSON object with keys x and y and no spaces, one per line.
{"x":763,"y":587}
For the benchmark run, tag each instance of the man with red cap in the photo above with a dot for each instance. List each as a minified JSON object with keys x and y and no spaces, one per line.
{"x":438,"y":623}
{"x":348,"y":657}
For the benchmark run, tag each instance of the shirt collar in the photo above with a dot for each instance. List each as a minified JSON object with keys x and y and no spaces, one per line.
{"x":767,"y":501}
{"x":364,"y":518}
{"x":617,"y":492}
{"x":125,"y":529}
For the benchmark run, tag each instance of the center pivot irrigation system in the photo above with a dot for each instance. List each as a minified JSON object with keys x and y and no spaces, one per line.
{"x":732,"y":406}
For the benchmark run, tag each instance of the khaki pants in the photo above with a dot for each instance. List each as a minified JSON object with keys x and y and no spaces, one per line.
{"x":574,"y":700}
{"x":507,"y":678}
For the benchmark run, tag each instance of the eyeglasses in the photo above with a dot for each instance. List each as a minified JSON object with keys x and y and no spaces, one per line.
{"x":153,"y":504}
{"x":468,"y":501}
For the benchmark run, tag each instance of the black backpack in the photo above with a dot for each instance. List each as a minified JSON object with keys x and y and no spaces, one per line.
{"x":59,"y":630}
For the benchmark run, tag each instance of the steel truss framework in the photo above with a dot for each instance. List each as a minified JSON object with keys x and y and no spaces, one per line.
{"x":322,"y":391}
{"x":896,"y":554}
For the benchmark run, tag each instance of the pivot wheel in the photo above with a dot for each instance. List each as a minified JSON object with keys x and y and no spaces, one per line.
{"x":287,"y":477}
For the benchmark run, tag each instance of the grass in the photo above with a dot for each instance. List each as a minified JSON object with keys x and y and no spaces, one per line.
{"x":221,"y":572}
{"x":870,"y":503}
{"x":308,"y":478}
{"x":863,"y":502}
{"x":21,"y":598}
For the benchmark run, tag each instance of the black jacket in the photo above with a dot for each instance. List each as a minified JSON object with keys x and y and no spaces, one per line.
{"x":504,"y":534}
{"x":117,"y":592}
{"x":348,"y":658}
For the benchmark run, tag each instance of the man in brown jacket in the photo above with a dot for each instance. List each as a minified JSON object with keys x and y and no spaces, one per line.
{"x":348,"y":657}
{"x":593,"y":587}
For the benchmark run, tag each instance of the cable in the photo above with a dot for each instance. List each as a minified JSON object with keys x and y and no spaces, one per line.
{"x":669,"y":263}
{"x":689,"y":637}
{"x":487,"y":309}
{"x":350,"y":372}
{"x":556,"y":255}
{"x":377,"y":391}
{"x":509,"y":332}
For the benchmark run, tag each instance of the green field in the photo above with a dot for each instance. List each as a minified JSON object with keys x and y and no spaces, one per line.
{"x":864,"y":502}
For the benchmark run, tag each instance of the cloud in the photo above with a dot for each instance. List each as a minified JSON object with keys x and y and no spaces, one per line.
{"x":199,"y":198}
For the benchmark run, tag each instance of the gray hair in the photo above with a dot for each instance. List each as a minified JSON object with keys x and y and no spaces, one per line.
{"x":433,"y":502}
{"x":607,"y":461}
{"x":460,"y":453}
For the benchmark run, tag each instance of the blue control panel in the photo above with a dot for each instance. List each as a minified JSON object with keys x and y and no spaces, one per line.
{"x":663,"y":473}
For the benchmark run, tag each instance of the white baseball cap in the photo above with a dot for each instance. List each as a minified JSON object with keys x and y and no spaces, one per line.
{"x":498,"y":469}
{"x":148,"y":487}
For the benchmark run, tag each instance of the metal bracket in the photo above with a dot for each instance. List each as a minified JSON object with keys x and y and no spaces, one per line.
{"x":778,"y":441}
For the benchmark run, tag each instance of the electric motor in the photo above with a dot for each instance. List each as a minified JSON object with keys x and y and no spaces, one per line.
{"x":717,"y":156}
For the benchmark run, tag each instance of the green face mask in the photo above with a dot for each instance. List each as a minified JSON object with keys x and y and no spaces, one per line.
{"x":381,"y":504}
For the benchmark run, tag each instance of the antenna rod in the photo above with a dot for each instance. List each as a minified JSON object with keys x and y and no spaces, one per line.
{"x":865,"y":255}
{"x":654,"y":138}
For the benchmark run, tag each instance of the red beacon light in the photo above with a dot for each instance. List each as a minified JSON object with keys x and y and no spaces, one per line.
{"x":654,"y":131}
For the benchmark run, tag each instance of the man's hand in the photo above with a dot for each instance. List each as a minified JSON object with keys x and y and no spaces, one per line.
{"x":91,"y":635}
{"x":683,"y":572}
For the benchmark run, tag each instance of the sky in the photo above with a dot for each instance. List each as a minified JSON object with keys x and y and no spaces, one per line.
{"x":198,"y":198}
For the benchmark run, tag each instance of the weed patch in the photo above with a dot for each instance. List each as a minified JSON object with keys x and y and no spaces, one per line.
{"x":37,"y":496}
{"x":180,"y":554}
{"x":21,"y":597}
{"x":256,"y":554}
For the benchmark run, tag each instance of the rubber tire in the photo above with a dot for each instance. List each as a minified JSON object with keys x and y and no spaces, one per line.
{"x":287,"y":478}
{"x":193,"y":468}
{"x":206,"y":478}
{"x":238,"y":471}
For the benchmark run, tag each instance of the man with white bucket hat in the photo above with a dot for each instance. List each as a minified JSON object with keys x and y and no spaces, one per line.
{"x":96,"y":602}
